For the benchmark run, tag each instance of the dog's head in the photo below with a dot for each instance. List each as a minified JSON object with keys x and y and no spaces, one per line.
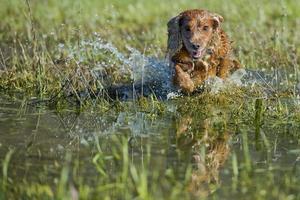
{"x":194,"y":29}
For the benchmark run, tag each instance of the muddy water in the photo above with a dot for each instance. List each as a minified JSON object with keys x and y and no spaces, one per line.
{"x":233,"y":157}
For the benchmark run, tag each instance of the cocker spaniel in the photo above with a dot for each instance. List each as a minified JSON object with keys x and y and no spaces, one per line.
{"x":198,"y":48}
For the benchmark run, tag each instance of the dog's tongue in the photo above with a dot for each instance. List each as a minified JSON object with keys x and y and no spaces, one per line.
{"x":198,"y":54}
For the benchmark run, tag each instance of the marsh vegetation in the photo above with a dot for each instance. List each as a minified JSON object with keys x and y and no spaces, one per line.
{"x":63,"y":137}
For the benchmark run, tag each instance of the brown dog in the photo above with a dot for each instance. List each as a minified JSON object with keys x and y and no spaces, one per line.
{"x":198,"y":48}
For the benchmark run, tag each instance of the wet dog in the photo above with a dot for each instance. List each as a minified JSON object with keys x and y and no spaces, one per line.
{"x":198,"y":49}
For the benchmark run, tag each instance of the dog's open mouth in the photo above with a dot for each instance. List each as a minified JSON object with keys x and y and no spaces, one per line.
{"x":198,"y":54}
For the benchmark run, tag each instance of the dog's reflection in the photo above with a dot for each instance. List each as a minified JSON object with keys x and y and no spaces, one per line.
{"x":209,"y":148}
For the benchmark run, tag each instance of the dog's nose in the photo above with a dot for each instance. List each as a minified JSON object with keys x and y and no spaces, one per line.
{"x":196,"y":46}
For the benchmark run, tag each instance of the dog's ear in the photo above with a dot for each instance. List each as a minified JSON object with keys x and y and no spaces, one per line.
{"x":174,"y":36}
{"x":217,"y":20}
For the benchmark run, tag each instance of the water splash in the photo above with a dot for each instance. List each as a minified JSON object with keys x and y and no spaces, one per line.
{"x":149,"y":75}
{"x":217,"y":84}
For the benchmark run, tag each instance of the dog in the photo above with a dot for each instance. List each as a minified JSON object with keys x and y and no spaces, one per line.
{"x":198,"y":48}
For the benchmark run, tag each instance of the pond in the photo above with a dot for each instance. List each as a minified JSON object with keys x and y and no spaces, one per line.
{"x":218,"y":148}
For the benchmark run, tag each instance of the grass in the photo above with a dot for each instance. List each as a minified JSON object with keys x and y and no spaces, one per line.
{"x":32,"y":32}
{"x":214,"y":146}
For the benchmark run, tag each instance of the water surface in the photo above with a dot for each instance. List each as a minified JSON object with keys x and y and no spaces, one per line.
{"x":227,"y":156}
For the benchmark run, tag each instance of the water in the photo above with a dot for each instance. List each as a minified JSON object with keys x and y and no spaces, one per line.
{"x":41,"y":138}
{"x":227,"y":155}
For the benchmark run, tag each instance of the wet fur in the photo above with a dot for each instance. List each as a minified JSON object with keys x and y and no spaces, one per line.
{"x":202,"y":28}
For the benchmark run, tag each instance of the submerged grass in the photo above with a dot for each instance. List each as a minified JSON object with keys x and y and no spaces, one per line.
{"x":206,"y":134}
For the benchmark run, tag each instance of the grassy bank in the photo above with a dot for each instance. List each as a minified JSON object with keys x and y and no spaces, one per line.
{"x":37,"y":38}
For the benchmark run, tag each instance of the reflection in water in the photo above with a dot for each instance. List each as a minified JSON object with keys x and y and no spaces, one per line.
{"x":209,"y":149}
{"x":204,"y":138}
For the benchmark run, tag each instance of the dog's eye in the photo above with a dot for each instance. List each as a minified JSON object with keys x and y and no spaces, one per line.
{"x":205,"y":28}
{"x":187,"y":28}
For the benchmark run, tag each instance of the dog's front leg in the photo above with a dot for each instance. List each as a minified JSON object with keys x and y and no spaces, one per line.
{"x":227,"y":66}
{"x":183,"y":80}
{"x":200,"y":74}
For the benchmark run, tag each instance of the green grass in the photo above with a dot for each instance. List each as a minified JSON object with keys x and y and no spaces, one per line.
{"x":42,"y":55}
{"x":265,"y":35}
